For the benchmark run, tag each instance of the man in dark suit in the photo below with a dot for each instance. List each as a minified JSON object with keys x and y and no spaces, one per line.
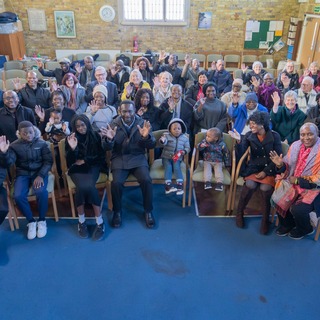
{"x":12,"y":114}
{"x":128,"y":137}
{"x":176,"y":107}
{"x":86,"y":74}
{"x":101,"y":76}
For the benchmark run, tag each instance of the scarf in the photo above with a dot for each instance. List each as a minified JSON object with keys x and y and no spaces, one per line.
{"x":302,"y":159}
{"x":267,"y":91}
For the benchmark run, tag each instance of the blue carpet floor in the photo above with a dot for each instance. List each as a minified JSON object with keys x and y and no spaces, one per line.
{"x":186,"y":268}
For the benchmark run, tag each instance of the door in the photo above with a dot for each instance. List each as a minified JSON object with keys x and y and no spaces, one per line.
{"x":309,"y":49}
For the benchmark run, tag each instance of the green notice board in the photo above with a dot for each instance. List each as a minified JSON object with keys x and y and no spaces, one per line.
{"x":260,"y":34}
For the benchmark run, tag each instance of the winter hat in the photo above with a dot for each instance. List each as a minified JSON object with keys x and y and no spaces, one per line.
{"x":24,"y":124}
{"x":64,"y":60}
{"x":100,"y":88}
{"x":251,"y":96}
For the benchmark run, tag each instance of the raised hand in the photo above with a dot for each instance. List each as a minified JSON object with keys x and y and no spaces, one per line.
{"x":135,"y":66}
{"x":145,"y":130}
{"x":171,"y":104}
{"x":108,"y":132}
{"x":235,"y":134}
{"x":156,"y":82}
{"x":235,"y":98}
{"x":17,"y":84}
{"x":93,"y":106}
{"x":201,"y":95}
{"x":38,"y":182}
{"x":162,"y":55}
{"x":113,"y":70}
{"x":306,"y":72}
{"x":72,"y":140}
{"x":255,"y":82}
{"x":213,"y":66}
{"x":39,"y":64}
{"x":39,"y":112}
{"x":276,"y":98}
{"x":64,"y":127}
{"x":276,"y":159}
{"x":78,"y":67}
{"x":4,"y":144}
{"x":285,"y":80}
{"x":187,"y":59}
{"x":141,"y":111}
{"x":51,"y":120}
{"x":129,"y":89}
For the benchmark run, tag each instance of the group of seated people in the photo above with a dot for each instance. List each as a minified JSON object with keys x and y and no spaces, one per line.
{"x":96,"y":110}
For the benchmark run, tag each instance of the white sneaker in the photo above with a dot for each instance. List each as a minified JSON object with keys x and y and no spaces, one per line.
{"x":42,"y":229}
{"x":32,"y":230}
{"x":313,"y":219}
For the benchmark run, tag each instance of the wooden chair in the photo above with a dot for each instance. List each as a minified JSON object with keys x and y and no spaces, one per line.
{"x":12,"y":217}
{"x":9,"y":65}
{"x":157,"y":169}
{"x":130,"y":182}
{"x":52,"y":65}
{"x":249,"y":59}
{"x":239,"y":181}
{"x":9,"y":83}
{"x":100,"y":184}
{"x":263,"y":59}
{"x":196,"y":169}
{"x":212,"y":57}
{"x":32,"y":197}
{"x":81,"y":56}
{"x":232,"y":62}
{"x":12,"y":74}
{"x":201,"y":58}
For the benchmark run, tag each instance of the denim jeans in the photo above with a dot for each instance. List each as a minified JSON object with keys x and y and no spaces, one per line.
{"x":172,"y":167}
{"x":21,"y":190}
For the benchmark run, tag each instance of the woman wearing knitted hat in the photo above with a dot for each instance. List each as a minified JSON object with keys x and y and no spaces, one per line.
{"x":33,"y":161}
{"x":99,"y":112}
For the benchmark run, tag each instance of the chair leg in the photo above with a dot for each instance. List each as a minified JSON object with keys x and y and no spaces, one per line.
{"x":316,"y":237}
{"x":229,"y":208}
{"x":190,"y":191}
{"x":108,"y":187}
{"x":10,"y":218}
{"x":54,"y":205}
{"x":184,"y":193}
{"x":103,"y":197}
{"x":73,"y":209}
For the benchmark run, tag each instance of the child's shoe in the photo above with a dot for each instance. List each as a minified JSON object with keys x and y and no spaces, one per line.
{"x":219,"y":187}
{"x":169,"y":188}
{"x":207,"y":185}
{"x":179,"y":189}
{"x":32,"y":230}
{"x":42,"y":229}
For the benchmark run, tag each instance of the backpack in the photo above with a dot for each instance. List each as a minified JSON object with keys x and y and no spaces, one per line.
{"x":8,"y":17}
{"x":126,"y":60}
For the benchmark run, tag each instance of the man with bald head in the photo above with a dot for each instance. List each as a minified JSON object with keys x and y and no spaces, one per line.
{"x":86,"y":74}
{"x":101,"y":76}
{"x":32,"y":94}
{"x":12,"y":114}
{"x":220,"y":77}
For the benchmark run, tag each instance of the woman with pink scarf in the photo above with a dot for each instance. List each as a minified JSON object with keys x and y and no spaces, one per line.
{"x":298,"y":184}
{"x":265,"y":91}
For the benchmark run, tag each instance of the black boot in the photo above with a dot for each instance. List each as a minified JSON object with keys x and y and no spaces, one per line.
{"x":266,"y":196}
{"x":245,"y":196}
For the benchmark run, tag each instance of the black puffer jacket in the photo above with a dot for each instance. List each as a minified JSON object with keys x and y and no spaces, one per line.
{"x":31,"y":158}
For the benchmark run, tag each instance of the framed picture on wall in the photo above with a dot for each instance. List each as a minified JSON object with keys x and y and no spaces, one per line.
{"x":65,"y":24}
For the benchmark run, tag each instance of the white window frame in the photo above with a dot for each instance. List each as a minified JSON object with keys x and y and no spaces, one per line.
{"x":123,"y":21}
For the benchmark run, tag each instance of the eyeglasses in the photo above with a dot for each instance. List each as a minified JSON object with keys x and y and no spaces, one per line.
{"x":237,"y":86}
{"x":9,"y":98}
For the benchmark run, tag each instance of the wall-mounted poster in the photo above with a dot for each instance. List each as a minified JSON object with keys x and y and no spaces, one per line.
{"x":205,"y":19}
{"x":37,"y":20}
{"x":65,"y":24}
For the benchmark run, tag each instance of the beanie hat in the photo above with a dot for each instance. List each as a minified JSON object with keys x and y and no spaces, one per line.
{"x":251,"y":96}
{"x":24,"y":124}
{"x":100,"y":88}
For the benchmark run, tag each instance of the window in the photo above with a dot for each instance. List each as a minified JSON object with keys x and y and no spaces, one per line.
{"x":154,"y":12}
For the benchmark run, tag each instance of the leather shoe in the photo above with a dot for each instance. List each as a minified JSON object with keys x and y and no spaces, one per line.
{"x":116,"y":220}
{"x":150,"y":222}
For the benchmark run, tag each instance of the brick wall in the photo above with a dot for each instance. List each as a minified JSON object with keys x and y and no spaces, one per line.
{"x":227,"y":32}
